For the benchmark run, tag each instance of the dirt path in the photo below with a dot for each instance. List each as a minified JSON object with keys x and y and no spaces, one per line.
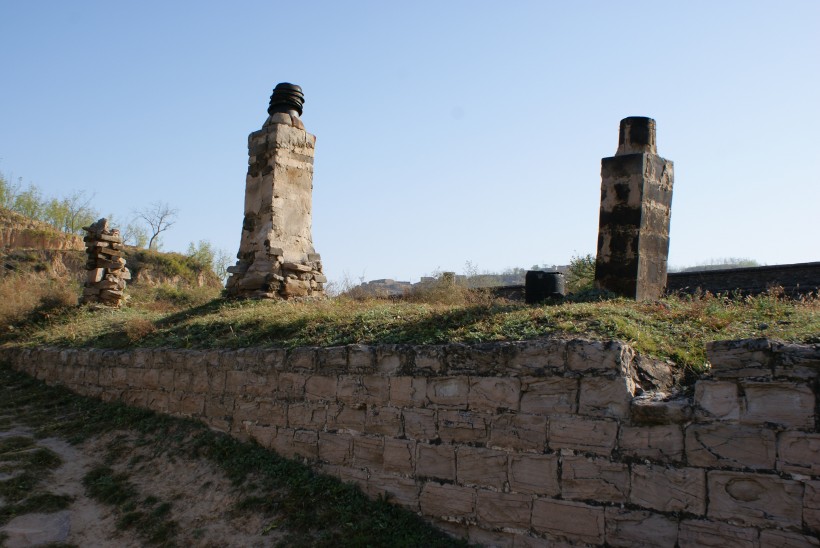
{"x":195,"y":497}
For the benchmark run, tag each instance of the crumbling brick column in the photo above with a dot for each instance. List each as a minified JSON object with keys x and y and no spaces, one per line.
{"x":276,"y":255}
{"x":107,"y":274}
{"x":636,"y":201}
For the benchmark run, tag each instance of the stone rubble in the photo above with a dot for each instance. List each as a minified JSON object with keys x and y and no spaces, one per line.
{"x":107,"y":275}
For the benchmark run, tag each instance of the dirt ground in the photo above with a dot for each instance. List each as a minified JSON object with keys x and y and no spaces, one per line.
{"x":199,"y":495}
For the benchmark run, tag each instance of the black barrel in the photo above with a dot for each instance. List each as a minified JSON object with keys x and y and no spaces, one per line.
{"x":540,"y":285}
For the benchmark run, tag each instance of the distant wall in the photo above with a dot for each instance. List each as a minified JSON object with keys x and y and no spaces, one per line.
{"x":794,"y":278}
{"x":521,"y":443}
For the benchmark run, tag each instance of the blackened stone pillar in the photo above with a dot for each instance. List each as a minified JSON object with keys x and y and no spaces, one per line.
{"x":276,"y":255}
{"x":636,"y":200}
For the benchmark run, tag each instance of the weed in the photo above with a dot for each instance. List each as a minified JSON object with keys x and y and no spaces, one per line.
{"x":27,"y":466}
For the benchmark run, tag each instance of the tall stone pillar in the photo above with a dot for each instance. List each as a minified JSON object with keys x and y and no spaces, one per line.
{"x":276,"y":255}
{"x":636,"y":201}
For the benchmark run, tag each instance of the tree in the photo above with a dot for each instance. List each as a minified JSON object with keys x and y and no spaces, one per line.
{"x":135,"y":235}
{"x":581,"y":274}
{"x":9,"y":191}
{"x":70,"y":214}
{"x":207,"y":256}
{"x":159,"y":216}
{"x":29,"y":203}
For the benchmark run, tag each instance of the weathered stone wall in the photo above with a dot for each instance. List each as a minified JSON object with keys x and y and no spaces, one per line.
{"x":524,"y":443}
{"x":793,"y":278}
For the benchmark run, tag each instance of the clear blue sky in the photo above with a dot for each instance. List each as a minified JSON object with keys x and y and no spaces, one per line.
{"x":447,"y":131}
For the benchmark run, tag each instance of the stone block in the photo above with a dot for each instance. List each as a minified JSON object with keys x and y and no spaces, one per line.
{"x":356,"y":476}
{"x":391,"y":358}
{"x":494,"y":393}
{"x":478,"y":536}
{"x":519,"y":431}
{"x":594,"y":479}
{"x":331,"y":359}
{"x":322,"y":388}
{"x":573,"y":521}
{"x":755,"y":499}
{"x":420,"y":424}
{"x":428,"y":358}
{"x":306,"y":444}
{"x":700,"y":533}
{"x":399,"y":456}
{"x":309,"y":416}
{"x":383,"y":420}
{"x":538,"y":357}
{"x":282,"y":442}
{"x":662,"y":443}
{"x":396,"y":489}
{"x":730,"y":446}
{"x":550,"y":395}
{"x":669,"y":489}
{"x":301,"y":359}
{"x":628,"y":528}
{"x":796,"y":361}
{"x":604,"y":397}
{"x":534,"y":474}
{"x":216,"y":380}
{"x":346,"y":418}
{"x":361,"y":358}
{"x":613,"y":356}
{"x":462,"y":426}
{"x":291,"y":386}
{"x":476,"y":466}
{"x":717,"y":400}
{"x":408,"y":391}
{"x":585,"y":435}
{"x":436,"y":461}
{"x":447,"y":501}
{"x":449,"y":392}
{"x":150,"y":379}
{"x":263,"y":435}
{"x":785,"y":539}
{"x":779,"y":403}
{"x":335,"y":448}
{"x":368,"y":452}
{"x":811,"y":506}
{"x":496,"y":509}
{"x":745,"y":358}
{"x":361,"y":391}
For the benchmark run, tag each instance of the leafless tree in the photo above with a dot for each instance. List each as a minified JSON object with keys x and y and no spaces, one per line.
{"x":159,"y":216}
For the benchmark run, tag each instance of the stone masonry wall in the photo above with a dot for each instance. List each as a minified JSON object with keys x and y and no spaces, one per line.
{"x":539,"y":443}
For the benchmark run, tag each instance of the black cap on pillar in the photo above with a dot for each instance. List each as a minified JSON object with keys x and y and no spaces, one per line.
{"x":637,"y":135}
{"x":287,"y":98}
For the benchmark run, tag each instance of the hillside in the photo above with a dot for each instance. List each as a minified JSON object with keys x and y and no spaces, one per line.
{"x":19,"y":232}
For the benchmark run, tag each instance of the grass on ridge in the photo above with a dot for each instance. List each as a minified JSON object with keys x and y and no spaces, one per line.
{"x":675,"y":327}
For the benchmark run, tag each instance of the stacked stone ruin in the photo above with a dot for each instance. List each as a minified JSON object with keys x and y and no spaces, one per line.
{"x":106,"y":277}
{"x":276,"y":255}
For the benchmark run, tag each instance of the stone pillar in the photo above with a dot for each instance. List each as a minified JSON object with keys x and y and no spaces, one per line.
{"x":276,"y":255}
{"x":636,"y":200}
{"x":106,"y":272}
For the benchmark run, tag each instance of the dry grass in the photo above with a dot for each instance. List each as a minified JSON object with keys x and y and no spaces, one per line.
{"x":31,"y":297}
